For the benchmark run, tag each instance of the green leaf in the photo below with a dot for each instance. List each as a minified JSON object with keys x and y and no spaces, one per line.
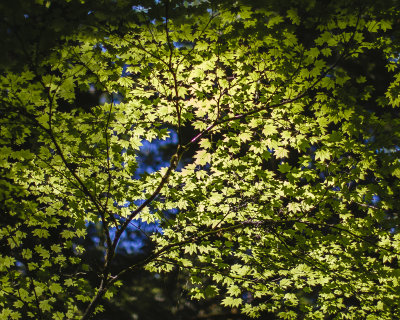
{"x":55,"y":288}
{"x":202,"y":157}
{"x":284,"y":167}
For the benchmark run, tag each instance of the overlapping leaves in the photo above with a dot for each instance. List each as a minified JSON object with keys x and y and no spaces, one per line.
{"x":289,"y":204}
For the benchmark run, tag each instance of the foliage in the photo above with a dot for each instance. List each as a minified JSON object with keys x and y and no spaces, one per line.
{"x":289,"y":205}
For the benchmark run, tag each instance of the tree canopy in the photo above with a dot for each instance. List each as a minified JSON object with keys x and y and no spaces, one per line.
{"x":281,"y":192}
